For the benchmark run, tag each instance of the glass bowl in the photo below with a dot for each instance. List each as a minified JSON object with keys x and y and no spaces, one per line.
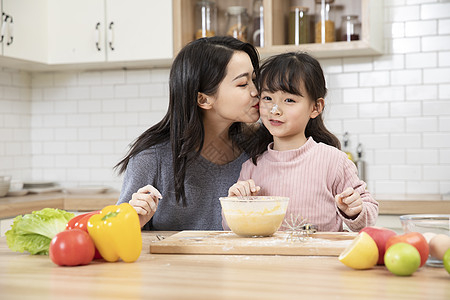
{"x":254,"y":216}
{"x":438,"y":224}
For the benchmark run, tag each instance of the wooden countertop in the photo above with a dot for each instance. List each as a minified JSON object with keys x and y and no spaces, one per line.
{"x":159,"y":276}
{"x":388,"y":204}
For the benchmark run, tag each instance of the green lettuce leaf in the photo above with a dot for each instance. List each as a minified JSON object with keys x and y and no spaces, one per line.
{"x":34,"y":232}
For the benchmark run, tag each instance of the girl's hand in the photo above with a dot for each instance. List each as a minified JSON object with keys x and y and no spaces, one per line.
{"x":349,"y":201}
{"x":145,"y":202}
{"x":244,"y":188}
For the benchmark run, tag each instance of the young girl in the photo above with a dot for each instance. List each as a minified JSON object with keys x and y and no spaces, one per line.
{"x":304,"y":162}
{"x":177,"y":169}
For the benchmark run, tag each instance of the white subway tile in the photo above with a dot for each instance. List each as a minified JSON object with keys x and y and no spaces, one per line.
{"x":138,"y":104}
{"x":421,"y":124}
{"x":13,"y":148}
{"x":380,"y":78}
{"x":378,"y":172}
{"x":22,"y":79}
{"x":444,"y":58}
{"x":54,"y":121}
{"x":113,"y":133}
{"x":66,"y":134}
{"x":390,"y":156}
{"x":421,"y":60}
{"x":444,"y":91}
{"x":422,"y":187}
{"x":405,"y":13}
{"x":78,"y":120}
{"x":90,"y":161}
{"x":434,"y":108}
{"x":444,"y":156}
{"x":65,"y":79}
{"x":113,"y":77}
{"x":89,"y":106}
{"x":6,"y":78}
{"x":102,"y":92}
{"x":435,"y":11}
{"x":420,"y":28}
{"x":102,"y":147}
{"x":373,"y":110}
{"x":357,"y":64}
{"x":102,"y":119}
{"x":80,"y":174}
{"x":125,"y":119}
{"x":405,"y":109}
{"x":436,"y":140}
{"x":54,"y":148}
{"x":444,"y":187}
{"x":421,"y":92}
{"x":152,"y":90}
{"x":160,"y":75}
{"x":114,"y":105}
{"x":440,"y":75}
{"x":394,"y":30}
{"x":389,"y":3}
{"x":436,"y":43}
{"x":66,"y":161}
{"x":90,"y":134}
{"x":56,"y":93}
{"x":389,"y":62}
{"x":63,"y":107}
{"x":405,"y":45}
{"x":410,"y":2}
{"x":333,"y":125}
{"x":79,"y":147}
{"x":341,"y":111}
{"x":149,"y":118}
{"x":162,"y":103}
{"x":390,"y":187}
{"x":78,"y":92}
{"x":36,"y":94}
{"x":404,"y":77}
{"x":90,"y":78}
{"x":43,"y":161}
{"x":444,"y":26}
{"x":444,"y":123}
{"x":331,"y":65}
{"x":11,"y":93}
{"x":40,"y":80}
{"x":138,"y":76}
{"x":422,"y":156}
{"x":126,"y":91}
{"x":389,"y":125}
{"x":406,"y":172}
{"x":358,"y":95}
{"x":342,"y":80}
{"x":405,"y":140}
{"x":436,"y":172}
{"x":358,"y":126}
{"x":396,"y":93}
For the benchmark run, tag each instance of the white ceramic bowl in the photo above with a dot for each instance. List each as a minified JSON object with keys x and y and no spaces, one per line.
{"x":438,"y":224}
{"x":4,"y":185}
{"x":254,"y":216}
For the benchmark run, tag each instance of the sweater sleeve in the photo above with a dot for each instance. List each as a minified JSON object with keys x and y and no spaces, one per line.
{"x":142,"y":170}
{"x":348,"y":177}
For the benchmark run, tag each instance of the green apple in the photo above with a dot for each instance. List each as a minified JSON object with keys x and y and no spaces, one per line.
{"x":446,"y":260}
{"x":402,"y":259}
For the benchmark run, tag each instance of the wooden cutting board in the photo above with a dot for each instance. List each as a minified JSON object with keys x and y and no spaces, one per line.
{"x":226,"y":242}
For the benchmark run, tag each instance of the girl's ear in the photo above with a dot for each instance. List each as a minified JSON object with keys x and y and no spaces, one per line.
{"x":317,"y":108}
{"x":204,"y":101}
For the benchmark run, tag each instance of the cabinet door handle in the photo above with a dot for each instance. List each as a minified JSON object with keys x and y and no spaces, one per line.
{"x":10,"y":31}
{"x":97,"y":37}
{"x":5,"y":18}
{"x":111,"y":36}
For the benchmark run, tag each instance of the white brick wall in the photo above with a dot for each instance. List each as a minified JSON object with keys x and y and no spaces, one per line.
{"x":73,"y":127}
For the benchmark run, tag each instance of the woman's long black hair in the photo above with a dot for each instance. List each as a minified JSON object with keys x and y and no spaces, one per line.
{"x":199,"y":67}
{"x":285,"y":72}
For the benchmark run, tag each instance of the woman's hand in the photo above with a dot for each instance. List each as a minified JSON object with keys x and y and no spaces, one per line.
{"x":244,"y":188}
{"x":349,"y":201}
{"x":145,"y":202}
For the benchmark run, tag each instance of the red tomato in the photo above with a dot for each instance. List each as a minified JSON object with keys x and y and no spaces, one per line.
{"x":72,"y":247}
{"x":80,"y":222}
{"x":413,"y":238}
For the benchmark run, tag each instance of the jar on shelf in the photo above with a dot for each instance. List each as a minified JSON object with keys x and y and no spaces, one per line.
{"x":298,"y":25}
{"x":205,"y":19}
{"x":350,"y":28}
{"x":325,"y":29}
{"x":258,"y":23}
{"x":237,"y":22}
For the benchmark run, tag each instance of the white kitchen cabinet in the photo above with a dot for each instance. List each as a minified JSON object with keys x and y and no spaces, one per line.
{"x":25,"y":29}
{"x":86,"y":31}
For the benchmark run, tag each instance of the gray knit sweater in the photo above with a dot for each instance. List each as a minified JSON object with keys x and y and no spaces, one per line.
{"x":205,"y":182}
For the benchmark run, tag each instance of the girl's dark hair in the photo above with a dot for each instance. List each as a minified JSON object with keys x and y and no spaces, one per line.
{"x":285,"y":72}
{"x":199,"y":67}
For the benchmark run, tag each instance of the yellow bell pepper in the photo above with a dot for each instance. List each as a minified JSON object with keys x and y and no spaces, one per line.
{"x":116,"y":233}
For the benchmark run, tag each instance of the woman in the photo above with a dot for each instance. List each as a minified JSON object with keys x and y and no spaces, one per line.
{"x":176,"y":171}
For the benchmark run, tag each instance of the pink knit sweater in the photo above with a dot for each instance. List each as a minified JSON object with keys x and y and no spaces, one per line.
{"x":311,"y":176}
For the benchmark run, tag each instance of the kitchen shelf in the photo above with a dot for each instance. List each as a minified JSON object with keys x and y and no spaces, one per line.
{"x":275,"y":21}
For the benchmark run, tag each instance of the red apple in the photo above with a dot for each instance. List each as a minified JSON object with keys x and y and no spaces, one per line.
{"x":414,"y":238}
{"x":380,"y":236}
